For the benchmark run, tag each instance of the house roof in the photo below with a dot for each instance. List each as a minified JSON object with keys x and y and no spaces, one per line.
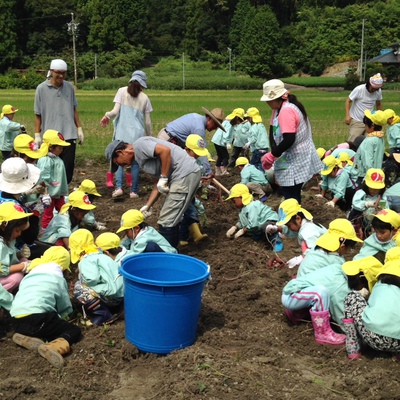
{"x":388,"y":58}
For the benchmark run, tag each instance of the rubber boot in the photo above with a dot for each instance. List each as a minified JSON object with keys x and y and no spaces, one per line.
{"x":110,"y":178}
{"x":30,"y":343}
{"x":322,"y":329}
{"x":98,"y":312}
{"x":171,"y":234}
{"x":53,"y":351}
{"x":218,"y":171}
{"x":197,"y":236}
{"x":224,"y":171}
{"x":353,"y":347}
{"x":128,"y":178}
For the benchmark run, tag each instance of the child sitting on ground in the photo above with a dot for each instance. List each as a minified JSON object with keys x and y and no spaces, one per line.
{"x":385,"y":225}
{"x":100,"y":288}
{"x":140,"y":237}
{"x":13,"y":262}
{"x":40,"y":306}
{"x":295,"y":221}
{"x":9,"y":130}
{"x":366,"y":201}
{"x":110,"y":245}
{"x":254,"y":216}
{"x":53,"y":175}
{"x":253,"y":178}
{"x":336,"y":179}
{"x":68,"y":219}
{"x":89,"y":221}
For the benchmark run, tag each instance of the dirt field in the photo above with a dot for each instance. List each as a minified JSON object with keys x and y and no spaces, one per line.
{"x":245,"y":347}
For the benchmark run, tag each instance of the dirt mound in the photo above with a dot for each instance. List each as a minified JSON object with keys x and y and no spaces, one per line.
{"x":340,"y":69}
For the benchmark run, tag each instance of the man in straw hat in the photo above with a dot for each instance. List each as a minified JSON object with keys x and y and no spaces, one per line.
{"x":55,"y":108}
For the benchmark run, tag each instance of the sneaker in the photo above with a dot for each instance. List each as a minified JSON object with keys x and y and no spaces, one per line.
{"x":133,"y":195}
{"x":117,"y":193}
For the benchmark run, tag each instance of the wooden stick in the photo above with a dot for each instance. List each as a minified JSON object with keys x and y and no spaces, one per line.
{"x":220,"y":186}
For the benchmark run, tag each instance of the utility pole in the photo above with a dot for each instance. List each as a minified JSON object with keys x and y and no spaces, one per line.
{"x":362,"y":73}
{"x":183,"y":71}
{"x":73,"y":27}
{"x":230,"y":60}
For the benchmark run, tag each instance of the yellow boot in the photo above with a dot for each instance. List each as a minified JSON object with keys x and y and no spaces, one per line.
{"x":197,"y":236}
{"x":54,"y":350}
{"x":30,"y":343}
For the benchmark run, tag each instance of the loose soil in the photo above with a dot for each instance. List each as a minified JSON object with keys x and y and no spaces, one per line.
{"x":245,"y":347}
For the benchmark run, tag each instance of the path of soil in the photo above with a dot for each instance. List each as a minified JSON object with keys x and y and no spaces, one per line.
{"x":245,"y":347}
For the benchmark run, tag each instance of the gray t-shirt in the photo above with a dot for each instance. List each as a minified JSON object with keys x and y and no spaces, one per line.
{"x":181,"y":163}
{"x":56,"y":107}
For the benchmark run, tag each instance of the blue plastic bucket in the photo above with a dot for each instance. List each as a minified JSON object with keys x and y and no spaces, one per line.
{"x":162,"y":300}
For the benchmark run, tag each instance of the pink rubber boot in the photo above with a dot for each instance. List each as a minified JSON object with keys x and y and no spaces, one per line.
{"x":322,"y":329}
{"x":110,"y":177}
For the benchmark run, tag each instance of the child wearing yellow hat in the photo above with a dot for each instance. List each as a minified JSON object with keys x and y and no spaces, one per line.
{"x":253,"y":178}
{"x":68,"y":219}
{"x":53,"y":174}
{"x":100,"y":288}
{"x":13,"y":262}
{"x":393,"y":131}
{"x":110,"y":244}
{"x":89,"y":221}
{"x":295,"y":221}
{"x":376,"y":322}
{"x":9,"y":130}
{"x":140,"y":237}
{"x":222,"y":140}
{"x":385,"y":225}
{"x":254,"y":217}
{"x":259,"y":139}
{"x":241,"y":136}
{"x":39,"y":309}
{"x":366,"y":201}
{"x":337,"y":181}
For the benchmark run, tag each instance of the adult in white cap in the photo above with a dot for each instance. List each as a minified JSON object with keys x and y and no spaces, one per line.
{"x":55,"y":108}
{"x":131,"y":111}
{"x":366,"y":96}
{"x":293,"y":154}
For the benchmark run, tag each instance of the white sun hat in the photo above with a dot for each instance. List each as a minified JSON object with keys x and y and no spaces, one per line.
{"x":17,"y":176}
{"x":273,"y":89}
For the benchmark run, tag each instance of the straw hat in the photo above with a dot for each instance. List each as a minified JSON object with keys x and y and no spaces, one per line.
{"x":217,"y":115}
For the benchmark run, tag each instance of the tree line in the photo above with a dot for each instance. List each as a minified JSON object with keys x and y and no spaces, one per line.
{"x":262,"y":38}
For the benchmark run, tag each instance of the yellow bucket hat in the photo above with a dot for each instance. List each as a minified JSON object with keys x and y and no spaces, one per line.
{"x":57,"y":254}
{"x":392,"y":262}
{"x":9,"y":211}
{"x":81,"y":242}
{"x":89,"y":187}
{"x":241,"y":190}
{"x":197,"y":145}
{"x":389,"y":113}
{"x":108,"y":240}
{"x":369,"y":266}
{"x":25,"y":144}
{"x":389,"y":216}
{"x":242,"y":161}
{"x":330,"y":162}
{"x":7,"y":109}
{"x":254,"y":113}
{"x":237,"y":112}
{"x":375,"y":178}
{"x":290,"y":208}
{"x":321,"y":152}
{"x":54,"y":138}
{"x":345,"y":157}
{"x":378,"y":117}
{"x":78,"y":199}
{"x":340,"y":228}
{"x":130,"y":219}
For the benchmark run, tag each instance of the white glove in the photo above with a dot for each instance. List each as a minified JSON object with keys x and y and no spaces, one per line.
{"x":364,"y":293}
{"x":319,"y":196}
{"x":330,"y":204}
{"x":369,"y":204}
{"x":231,"y":232}
{"x":100,"y":226}
{"x":46,"y":201}
{"x":271,"y":229}
{"x":239,"y":233}
{"x":146,"y":211}
{"x":38,"y":139}
{"x":26,"y":266}
{"x":293,"y":262}
{"x":81,"y":136}
{"x":162,"y":185}
{"x":23,"y":129}
{"x":247,"y":145}
{"x":25,"y":251}
{"x":228,"y":146}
